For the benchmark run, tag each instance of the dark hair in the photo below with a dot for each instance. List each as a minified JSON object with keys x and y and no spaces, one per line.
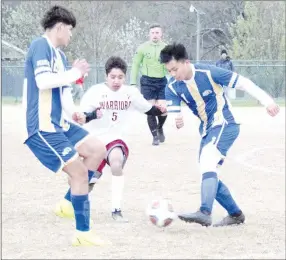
{"x":115,"y":62}
{"x":154,"y":25}
{"x":174,"y":51}
{"x":58,"y":14}
{"x":223,"y":51}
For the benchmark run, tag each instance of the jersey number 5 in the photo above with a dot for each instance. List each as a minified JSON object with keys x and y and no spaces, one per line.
{"x":114,"y":116}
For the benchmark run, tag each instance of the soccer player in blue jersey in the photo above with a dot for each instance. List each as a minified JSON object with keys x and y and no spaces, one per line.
{"x":201,"y":88}
{"x":58,"y":144}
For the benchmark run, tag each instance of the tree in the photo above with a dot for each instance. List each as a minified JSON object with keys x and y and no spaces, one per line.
{"x":260,"y":34}
{"x":130,"y":36}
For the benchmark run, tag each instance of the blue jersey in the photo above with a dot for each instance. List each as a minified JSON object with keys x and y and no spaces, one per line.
{"x":43,"y":107}
{"x":204,"y":95}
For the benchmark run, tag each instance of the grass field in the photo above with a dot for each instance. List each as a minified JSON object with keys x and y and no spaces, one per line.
{"x":254,"y":172}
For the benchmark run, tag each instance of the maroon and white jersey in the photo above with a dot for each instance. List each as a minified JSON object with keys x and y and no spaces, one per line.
{"x":116,"y":107}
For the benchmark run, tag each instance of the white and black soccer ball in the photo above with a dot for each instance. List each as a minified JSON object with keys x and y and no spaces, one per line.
{"x":161,"y":212}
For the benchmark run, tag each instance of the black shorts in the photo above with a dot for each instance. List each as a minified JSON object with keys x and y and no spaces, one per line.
{"x":153,"y":88}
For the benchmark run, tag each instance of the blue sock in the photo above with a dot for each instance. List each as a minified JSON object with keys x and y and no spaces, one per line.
{"x":68,"y":195}
{"x":225,"y":199}
{"x":208,"y":191}
{"x":81,"y":207}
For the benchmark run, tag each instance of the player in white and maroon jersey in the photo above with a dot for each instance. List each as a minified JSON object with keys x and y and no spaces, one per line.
{"x":111,"y":103}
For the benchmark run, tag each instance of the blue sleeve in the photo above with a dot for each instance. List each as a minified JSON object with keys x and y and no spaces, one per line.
{"x":225,"y":78}
{"x":173,"y":101}
{"x":40,"y":57}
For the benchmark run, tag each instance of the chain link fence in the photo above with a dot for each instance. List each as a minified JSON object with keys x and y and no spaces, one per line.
{"x":269,"y":75}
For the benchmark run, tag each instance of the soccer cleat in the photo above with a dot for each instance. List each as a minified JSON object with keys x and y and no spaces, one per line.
{"x":156,"y":140}
{"x":161,"y":135}
{"x":231,"y":220}
{"x":87,"y":238}
{"x":197,"y":217}
{"x":64,"y":209}
{"x":118,"y":217}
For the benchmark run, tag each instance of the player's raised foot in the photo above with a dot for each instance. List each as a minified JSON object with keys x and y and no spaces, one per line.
{"x":231,"y":220}
{"x":161,"y":135}
{"x":156,"y":141}
{"x":118,"y":217}
{"x":197,"y":217}
{"x":88,"y":238}
{"x":64,"y":209}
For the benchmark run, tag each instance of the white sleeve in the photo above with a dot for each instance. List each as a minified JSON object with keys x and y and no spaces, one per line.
{"x":89,"y":101}
{"x":139,"y":102}
{"x":67,"y":102}
{"x":49,"y":79}
{"x":248,"y":86}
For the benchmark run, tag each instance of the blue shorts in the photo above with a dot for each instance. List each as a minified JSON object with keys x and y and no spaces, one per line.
{"x":56,"y":149}
{"x":215,"y":145}
{"x":153,"y":88}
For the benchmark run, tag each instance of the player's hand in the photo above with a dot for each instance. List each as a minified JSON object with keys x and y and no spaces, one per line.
{"x":82,"y":66}
{"x":79,"y":118}
{"x":179,"y":121}
{"x":163,"y":109}
{"x":99,"y":113}
{"x":273,"y":109}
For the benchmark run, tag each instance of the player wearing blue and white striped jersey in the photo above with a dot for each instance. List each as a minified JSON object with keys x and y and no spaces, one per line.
{"x":201,"y":88}
{"x":57,"y":143}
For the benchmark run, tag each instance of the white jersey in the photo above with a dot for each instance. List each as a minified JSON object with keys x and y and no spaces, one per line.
{"x":115,"y":106}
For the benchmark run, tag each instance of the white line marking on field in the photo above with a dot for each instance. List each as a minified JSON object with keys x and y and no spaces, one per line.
{"x":241,"y":159}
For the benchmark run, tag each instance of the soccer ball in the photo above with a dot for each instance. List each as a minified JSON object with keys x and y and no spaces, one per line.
{"x":161,"y":212}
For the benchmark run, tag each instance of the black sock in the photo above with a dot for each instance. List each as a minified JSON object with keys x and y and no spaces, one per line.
{"x":161,"y":120}
{"x":152,"y":122}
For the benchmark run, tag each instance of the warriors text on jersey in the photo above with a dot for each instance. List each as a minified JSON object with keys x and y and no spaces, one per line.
{"x":115,"y":106}
{"x":204,"y":95}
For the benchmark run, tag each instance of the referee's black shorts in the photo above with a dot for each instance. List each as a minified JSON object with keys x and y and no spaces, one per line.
{"x":153,"y":88}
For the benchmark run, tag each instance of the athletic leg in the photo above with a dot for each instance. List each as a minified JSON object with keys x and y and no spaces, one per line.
{"x":117,"y":157}
{"x":161,"y":121}
{"x":150,"y":94}
{"x":56,"y":152}
{"x":213,"y":149}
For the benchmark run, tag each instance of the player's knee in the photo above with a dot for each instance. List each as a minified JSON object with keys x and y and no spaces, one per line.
{"x":210,"y":156}
{"x":77,"y":172}
{"x":207,"y":167}
{"x":93,"y":147}
{"x":116,"y":167}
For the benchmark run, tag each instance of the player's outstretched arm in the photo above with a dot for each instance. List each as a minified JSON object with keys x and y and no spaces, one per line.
{"x":233,"y":80}
{"x":48,"y":79}
{"x":71,"y":111}
{"x":89,"y":104}
{"x":143,"y":106}
{"x":137,"y":60}
{"x":173,"y":101}
{"x":248,"y":86}
{"x":156,"y":111}
{"x":96,"y":114}
{"x":40,"y":58}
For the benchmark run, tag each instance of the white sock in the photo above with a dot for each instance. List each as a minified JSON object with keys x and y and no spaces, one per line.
{"x":117,"y":186}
